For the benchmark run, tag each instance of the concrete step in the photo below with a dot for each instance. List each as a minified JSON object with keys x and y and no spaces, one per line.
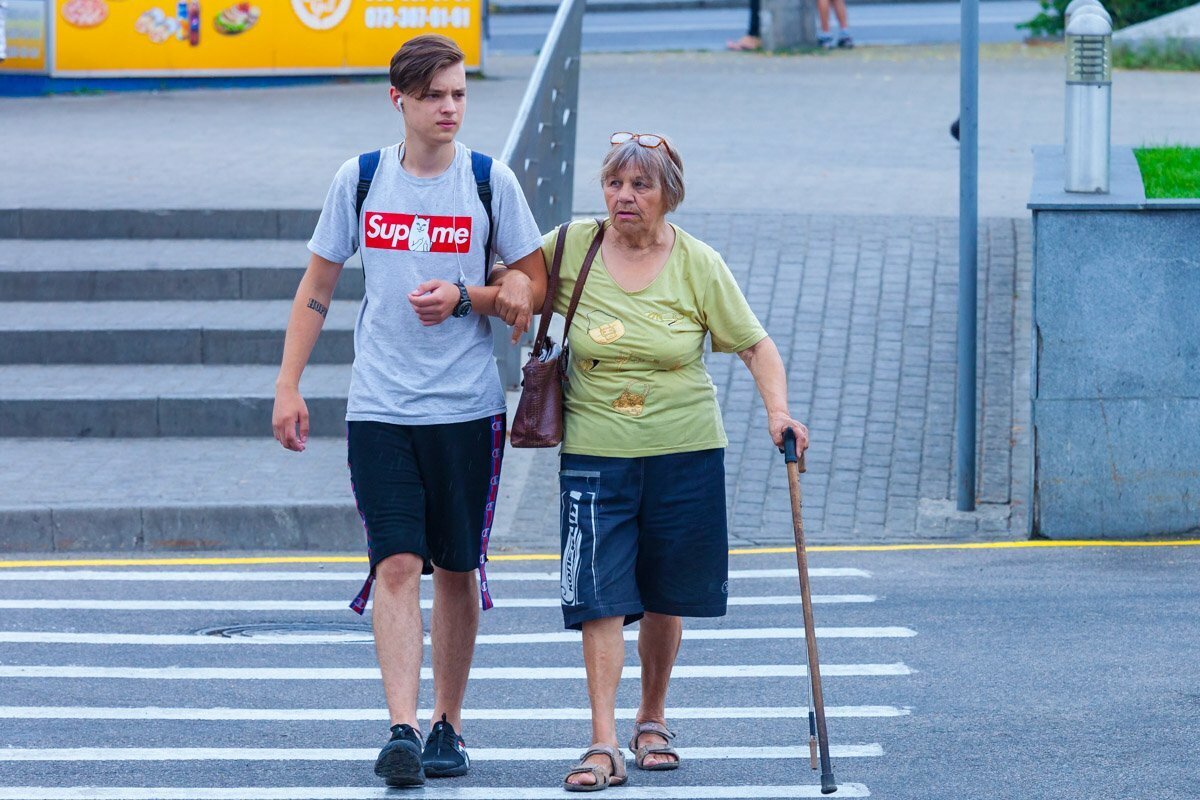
{"x":197,"y":269}
{"x":161,"y":400}
{"x":164,"y":332}
{"x":212,"y":493}
{"x":176,"y":494}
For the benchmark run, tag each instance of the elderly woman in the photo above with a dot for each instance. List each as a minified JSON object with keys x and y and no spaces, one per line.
{"x":642,"y":480}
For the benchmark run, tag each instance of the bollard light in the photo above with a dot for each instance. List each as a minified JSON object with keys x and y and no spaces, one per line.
{"x":1089,"y":103}
{"x":1091,"y":6}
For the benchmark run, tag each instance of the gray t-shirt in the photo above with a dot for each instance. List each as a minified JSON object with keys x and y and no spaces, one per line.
{"x":413,"y":230}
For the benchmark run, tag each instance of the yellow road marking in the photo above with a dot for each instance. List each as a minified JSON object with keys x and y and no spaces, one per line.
{"x":1034,"y":543}
{"x":192,"y":561}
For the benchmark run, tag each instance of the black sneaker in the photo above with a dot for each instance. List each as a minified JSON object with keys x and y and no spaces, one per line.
{"x":845,"y":41}
{"x":399,"y":762}
{"x":445,"y":753}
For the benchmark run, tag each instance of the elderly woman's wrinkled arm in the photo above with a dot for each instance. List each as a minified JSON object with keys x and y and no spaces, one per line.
{"x":766,"y":365}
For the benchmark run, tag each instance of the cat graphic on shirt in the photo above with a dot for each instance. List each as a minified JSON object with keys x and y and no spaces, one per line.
{"x":418,"y":236}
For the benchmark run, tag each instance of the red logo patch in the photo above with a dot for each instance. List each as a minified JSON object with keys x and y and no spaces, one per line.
{"x":417,"y":233}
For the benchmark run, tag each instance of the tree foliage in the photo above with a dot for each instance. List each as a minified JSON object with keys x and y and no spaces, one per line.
{"x":1049,"y":20}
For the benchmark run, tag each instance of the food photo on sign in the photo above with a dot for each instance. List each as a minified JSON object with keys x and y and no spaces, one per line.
{"x":236,"y":19}
{"x":85,"y":13}
{"x":220,"y":38}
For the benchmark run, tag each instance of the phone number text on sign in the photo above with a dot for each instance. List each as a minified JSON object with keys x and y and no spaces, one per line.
{"x":416,"y":17}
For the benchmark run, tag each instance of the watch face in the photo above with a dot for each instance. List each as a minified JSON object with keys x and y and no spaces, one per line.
{"x":464,"y":302}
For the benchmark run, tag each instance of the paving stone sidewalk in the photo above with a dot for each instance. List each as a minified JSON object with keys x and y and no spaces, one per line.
{"x":863,"y":310}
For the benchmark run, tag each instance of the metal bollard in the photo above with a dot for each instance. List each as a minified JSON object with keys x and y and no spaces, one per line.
{"x":1089,"y":103}
{"x":1076,"y":6}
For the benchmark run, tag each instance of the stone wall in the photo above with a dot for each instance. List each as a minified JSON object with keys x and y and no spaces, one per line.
{"x":1116,"y":365}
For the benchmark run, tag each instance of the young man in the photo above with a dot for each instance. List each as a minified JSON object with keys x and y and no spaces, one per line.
{"x":425,"y":418}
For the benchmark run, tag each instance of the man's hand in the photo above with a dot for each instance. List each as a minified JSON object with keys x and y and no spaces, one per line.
{"x":290,"y":419}
{"x":514,"y":302}
{"x":778,"y":422}
{"x":434,"y":301}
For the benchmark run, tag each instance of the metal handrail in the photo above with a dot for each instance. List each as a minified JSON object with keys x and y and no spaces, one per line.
{"x":541,"y":147}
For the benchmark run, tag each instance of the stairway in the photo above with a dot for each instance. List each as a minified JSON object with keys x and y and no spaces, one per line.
{"x":136,"y":386}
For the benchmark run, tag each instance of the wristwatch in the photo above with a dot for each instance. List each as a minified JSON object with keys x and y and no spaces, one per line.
{"x":464,"y":302}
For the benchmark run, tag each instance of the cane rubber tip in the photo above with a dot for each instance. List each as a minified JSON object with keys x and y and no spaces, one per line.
{"x":828,"y":785}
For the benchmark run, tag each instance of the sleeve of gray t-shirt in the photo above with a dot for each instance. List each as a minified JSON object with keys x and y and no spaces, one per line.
{"x":516,"y":234}
{"x":336,"y":235}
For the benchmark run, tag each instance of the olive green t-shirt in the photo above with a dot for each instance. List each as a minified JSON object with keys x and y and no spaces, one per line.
{"x":638,"y":385}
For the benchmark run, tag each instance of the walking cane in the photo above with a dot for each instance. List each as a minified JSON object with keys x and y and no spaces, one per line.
{"x":816,"y":715}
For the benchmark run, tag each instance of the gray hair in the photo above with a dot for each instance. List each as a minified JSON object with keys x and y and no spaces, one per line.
{"x":662,"y":165}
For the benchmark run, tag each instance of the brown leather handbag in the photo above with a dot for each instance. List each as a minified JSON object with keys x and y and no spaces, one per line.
{"x":539,"y":418}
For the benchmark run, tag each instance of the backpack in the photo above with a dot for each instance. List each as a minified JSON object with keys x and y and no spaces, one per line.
{"x":481,"y":168}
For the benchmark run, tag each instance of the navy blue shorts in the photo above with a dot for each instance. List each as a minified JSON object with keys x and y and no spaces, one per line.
{"x":643,"y":534}
{"x":429,"y":490}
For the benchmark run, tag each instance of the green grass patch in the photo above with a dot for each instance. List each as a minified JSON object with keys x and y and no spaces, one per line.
{"x":1172,"y":55}
{"x":1170,"y":171}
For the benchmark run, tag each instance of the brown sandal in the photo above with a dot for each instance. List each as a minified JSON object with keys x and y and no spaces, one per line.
{"x":604,"y":778}
{"x":640,"y":753}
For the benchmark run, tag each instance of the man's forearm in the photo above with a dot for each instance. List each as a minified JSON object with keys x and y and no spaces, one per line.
{"x":309,"y":310}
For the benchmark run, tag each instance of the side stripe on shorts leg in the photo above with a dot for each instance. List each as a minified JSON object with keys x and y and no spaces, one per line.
{"x":578,"y":507}
{"x":489,"y":513}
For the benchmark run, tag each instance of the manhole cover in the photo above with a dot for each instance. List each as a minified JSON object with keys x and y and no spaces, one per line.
{"x":296,"y":632}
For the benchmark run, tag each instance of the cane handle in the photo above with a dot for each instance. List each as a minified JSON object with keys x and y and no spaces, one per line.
{"x":790,"y":455}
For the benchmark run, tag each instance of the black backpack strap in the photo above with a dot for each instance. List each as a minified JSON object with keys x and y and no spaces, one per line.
{"x":481,"y":167}
{"x":367,"y":164}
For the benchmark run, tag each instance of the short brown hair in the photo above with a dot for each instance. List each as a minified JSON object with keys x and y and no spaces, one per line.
{"x":419,"y":59}
{"x":662,"y":165}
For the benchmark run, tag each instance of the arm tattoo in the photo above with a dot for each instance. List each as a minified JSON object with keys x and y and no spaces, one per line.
{"x":318,"y":306}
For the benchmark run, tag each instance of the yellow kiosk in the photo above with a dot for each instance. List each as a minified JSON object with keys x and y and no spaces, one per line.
{"x":90,"y":39}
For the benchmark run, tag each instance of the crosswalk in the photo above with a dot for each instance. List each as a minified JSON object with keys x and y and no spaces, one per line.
{"x":209,"y":682}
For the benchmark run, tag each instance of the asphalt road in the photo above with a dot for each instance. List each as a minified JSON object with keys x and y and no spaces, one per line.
{"x":710,"y":29}
{"x":983,"y":673}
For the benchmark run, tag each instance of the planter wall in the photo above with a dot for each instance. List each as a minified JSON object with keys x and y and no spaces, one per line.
{"x":1116,"y":358}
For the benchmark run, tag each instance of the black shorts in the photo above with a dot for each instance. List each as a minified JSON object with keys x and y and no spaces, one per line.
{"x":643,"y":534}
{"x":429,"y":490}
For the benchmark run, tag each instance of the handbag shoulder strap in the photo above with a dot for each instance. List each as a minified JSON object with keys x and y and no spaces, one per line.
{"x":583,"y":273}
{"x":539,"y":343}
{"x":560,"y":244}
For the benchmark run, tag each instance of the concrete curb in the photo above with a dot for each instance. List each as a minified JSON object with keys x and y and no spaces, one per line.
{"x":201,"y":283}
{"x":162,"y":345}
{"x":157,"y":417}
{"x":602,"y":6}
{"x":125,"y":223}
{"x":295,"y":526}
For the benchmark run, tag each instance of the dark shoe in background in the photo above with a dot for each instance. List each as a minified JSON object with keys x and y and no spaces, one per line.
{"x":399,"y":762}
{"x":954,"y":130}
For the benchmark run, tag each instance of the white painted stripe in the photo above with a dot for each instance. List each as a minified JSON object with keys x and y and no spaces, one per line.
{"x":366,"y":637}
{"x":795,"y":601}
{"x":42,"y":672}
{"x":521,"y":754}
{"x":272,"y":576}
{"x":427,"y":792}
{"x":813,"y":572}
{"x":337,"y":605}
{"x":379,"y":714}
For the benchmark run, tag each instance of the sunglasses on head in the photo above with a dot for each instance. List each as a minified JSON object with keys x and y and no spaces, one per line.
{"x":648,"y":140}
